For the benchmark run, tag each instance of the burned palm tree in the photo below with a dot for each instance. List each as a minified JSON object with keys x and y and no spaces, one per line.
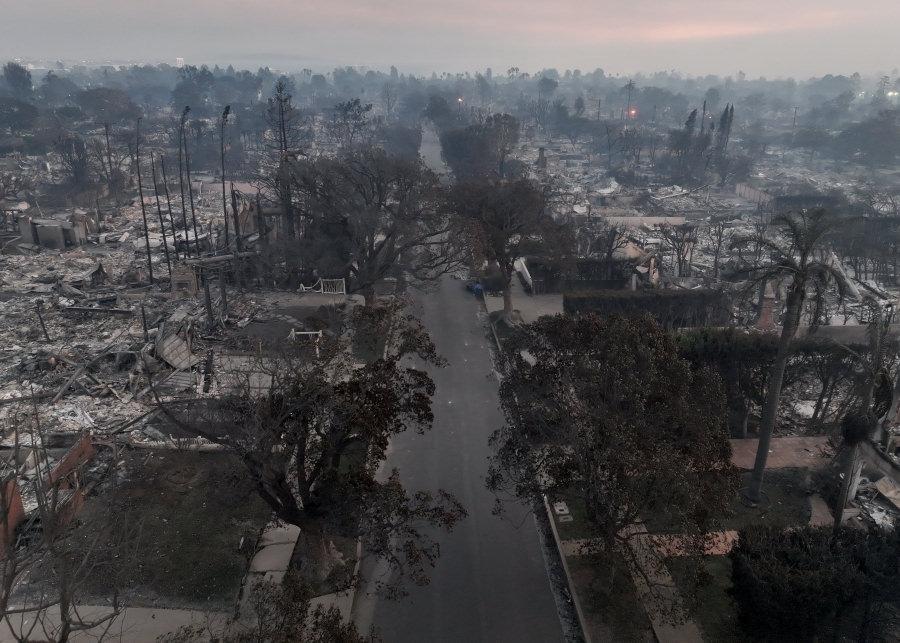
{"x":222,"y":154}
{"x":162,"y":225}
{"x":137,"y":154}
{"x":181,"y":146}
{"x":187,"y":171}
{"x":165,"y":178}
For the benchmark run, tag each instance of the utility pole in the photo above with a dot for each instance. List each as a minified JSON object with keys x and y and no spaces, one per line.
{"x":162,"y":226}
{"x":222,"y":146}
{"x":137,"y":157}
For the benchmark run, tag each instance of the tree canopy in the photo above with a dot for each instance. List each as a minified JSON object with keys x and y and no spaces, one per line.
{"x":603,"y":410}
{"x":370,"y":215}
{"x":806,"y":583}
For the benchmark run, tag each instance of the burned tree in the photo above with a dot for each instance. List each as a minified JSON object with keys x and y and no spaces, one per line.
{"x":681,"y":240}
{"x":108,"y":107}
{"x":49,"y":560}
{"x":286,"y":136}
{"x":605,"y":242}
{"x":75,"y":160}
{"x":720,"y":237}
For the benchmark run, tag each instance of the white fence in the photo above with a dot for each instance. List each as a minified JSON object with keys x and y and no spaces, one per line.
{"x":327,"y":287}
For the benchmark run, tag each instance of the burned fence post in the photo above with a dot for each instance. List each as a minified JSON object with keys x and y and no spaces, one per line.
{"x":40,"y":315}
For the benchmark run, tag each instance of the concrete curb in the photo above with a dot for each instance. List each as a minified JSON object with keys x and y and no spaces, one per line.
{"x":585,"y":633}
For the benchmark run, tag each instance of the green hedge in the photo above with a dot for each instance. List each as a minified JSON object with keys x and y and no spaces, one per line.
{"x":670,"y":308}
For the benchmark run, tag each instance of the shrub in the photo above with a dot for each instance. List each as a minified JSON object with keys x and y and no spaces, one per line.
{"x":670,"y":308}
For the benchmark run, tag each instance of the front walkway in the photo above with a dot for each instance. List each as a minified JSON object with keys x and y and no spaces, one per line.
{"x":655,"y":586}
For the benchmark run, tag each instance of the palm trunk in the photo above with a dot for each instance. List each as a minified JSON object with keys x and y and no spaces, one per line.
{"x":165,"y":178}
{"x":162,"y":227}
{"x":137,"y":147}
{"x":773,"y":391}
{"x":187,"y":169}
{"x":224,"y":202}
{"x":184,"y":222}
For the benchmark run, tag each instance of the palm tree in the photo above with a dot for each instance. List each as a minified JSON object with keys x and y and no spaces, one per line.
{"x":137,"y":155}
{"x":802,"y":260}
{"x":222,"y":152}
{"x":181,"y":124}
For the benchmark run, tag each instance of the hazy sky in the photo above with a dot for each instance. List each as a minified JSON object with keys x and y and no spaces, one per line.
{"x":761,"y":37}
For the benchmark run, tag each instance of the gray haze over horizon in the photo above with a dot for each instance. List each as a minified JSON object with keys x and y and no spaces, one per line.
{"x":773,"y":38}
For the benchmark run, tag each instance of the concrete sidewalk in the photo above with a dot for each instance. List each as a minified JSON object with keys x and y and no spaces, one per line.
{"x":134,"y":624}
{"x":654,"y":585}
{"x":531,"y":307}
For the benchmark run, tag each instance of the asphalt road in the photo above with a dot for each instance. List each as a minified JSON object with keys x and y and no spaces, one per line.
{"x":490,"y":583}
